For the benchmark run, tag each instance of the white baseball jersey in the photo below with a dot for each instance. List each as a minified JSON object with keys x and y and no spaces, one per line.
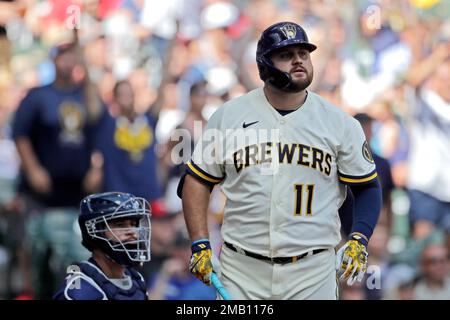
{"x":282,"y":175}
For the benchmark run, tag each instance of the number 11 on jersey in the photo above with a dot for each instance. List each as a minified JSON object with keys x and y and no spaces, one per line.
{"x":309,"y":191}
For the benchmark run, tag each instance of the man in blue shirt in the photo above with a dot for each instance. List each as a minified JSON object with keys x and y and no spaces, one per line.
{"x":127,"y":143}
{"x":52,"y":130}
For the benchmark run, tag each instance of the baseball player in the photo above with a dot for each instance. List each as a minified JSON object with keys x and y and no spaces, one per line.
{"x":284,"y":158}
{"x":115,"y":226}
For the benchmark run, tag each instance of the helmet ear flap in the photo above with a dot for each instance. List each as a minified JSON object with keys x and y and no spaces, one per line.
{"x":263,"y":70}
{"x":88,"y":241}
{"x":268,"y":73}
{"x":88,"y":245}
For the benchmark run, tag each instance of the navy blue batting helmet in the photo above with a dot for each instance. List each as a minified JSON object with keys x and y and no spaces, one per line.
{"x":100,"y":220}
{"x":275,"y":37}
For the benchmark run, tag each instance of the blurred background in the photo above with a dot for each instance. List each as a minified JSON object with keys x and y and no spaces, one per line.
{"x":92,"y":92}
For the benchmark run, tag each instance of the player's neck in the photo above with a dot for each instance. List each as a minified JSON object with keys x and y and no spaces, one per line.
{"x":284,"y":100}
{"x":110,"y":268}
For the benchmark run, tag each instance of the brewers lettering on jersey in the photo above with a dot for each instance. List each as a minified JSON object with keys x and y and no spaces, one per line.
{"x":284,"y":158}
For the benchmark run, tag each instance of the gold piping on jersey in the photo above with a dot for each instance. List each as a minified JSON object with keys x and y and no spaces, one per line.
{"x":358,"y":180}
{"x":202,"y":175}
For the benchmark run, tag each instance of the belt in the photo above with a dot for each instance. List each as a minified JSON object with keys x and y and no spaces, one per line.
{"x":283,"y":260}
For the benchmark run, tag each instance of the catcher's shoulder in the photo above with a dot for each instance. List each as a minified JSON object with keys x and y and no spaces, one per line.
{"x":79,"y":287}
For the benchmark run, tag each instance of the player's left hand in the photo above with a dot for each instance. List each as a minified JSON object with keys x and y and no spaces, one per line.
{"x":351,"y":261}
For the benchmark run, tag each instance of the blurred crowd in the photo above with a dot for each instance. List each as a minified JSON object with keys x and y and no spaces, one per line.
{"x":94,"y":95}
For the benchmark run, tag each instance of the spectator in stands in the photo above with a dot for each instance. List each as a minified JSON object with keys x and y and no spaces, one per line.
{"x":434,"y":283}
{"x":429,"y":172}
{"x":126,"y":142}
{"x":53,"y":130}
{"x":186,"y":142}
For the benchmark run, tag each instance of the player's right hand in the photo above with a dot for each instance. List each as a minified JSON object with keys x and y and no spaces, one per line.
{"x":201,"y":261}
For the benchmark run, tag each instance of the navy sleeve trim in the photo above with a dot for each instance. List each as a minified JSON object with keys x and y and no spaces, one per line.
{"x":196,"y":171}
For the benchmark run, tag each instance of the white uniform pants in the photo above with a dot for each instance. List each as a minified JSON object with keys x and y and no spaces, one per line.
{"x":247,"y":278}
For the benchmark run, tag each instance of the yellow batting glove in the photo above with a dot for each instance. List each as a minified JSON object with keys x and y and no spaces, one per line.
{"x":201,"y":263}
{"x":351,"y":261}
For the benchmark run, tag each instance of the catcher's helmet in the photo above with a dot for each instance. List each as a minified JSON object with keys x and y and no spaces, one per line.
{"x":100,"y":213}
{"x":277,"y":36}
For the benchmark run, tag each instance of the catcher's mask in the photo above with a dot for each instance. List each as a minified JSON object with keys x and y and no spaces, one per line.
{"x":117,"y":224}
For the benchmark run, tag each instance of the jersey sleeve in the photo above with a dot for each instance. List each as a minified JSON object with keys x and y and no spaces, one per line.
{"x":355,"y":161}
{"x":207,"y":161}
